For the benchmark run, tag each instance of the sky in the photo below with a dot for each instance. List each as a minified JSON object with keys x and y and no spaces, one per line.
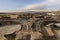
{"x":27,"y":5}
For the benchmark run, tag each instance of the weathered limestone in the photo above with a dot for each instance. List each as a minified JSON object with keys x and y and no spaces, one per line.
{"x":57,"y":34}
{"x":7,"y":30}
{"x":47,"y":31}
{"x":30,"y":29}
{"x":37,"y":25}
{"x":29,"y":36}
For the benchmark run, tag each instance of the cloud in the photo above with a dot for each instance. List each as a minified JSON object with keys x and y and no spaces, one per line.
{"x":35,"y":7}
{"x":53,"y":4}
{"x":51,"y":0}
{"x":46,"y":5}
